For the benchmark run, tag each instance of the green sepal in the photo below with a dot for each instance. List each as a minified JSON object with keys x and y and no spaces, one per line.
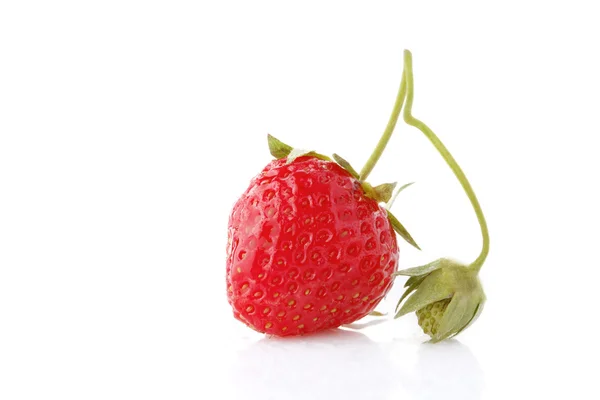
{"x":453,"y":316}
{"x":390,"y":203}
{"x":346,"y":165}
{"x":430,"y":290}
{"x":413,"y":279}
{"x":277,"y":148}
{"x":280,"y":150}
{"x":401,"y":230}
{"x":423,"y":269}
{"x":383,"y":192}
{"x":476,"y":315}
{"x":377,"y":314}
{"x":411,"y":288}
{"x":295,"y":153}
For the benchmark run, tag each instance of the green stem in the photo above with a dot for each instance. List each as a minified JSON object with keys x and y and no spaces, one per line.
{"x":460,"y":175}
{"x":387,"y":134}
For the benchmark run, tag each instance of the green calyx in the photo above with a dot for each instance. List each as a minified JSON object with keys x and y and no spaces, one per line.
{"x":381,"y":193}
{"x":446,"y":296}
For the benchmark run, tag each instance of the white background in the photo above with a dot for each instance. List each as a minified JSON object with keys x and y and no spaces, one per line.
{"x":128,"y":129}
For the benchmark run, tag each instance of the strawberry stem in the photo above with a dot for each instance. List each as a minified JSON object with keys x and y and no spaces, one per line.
{"x":387,"y":134}
{"x":460,"y":175}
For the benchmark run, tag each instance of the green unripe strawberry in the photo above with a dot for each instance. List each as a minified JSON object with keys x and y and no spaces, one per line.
{"x":446,"y":296}
{"x":431,"y":315}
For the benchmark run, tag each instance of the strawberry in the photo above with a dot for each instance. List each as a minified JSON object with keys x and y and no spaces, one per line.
{"x":309,"y":246}
{"x":308,"y":249}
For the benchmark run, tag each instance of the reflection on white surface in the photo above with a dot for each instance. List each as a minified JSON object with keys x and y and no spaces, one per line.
{"x":344,"y":364}
{"x":335,"y":364}
{"x":446,"y":370}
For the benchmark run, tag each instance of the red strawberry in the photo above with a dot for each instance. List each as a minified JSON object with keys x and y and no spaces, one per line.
{"x":308,"y":250}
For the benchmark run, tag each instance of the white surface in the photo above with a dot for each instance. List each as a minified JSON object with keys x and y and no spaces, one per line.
{"x":128,"y":129}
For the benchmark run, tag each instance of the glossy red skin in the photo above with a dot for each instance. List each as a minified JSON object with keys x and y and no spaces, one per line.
{"x":307,"y":250}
